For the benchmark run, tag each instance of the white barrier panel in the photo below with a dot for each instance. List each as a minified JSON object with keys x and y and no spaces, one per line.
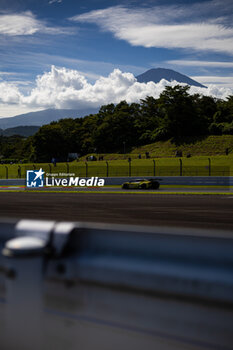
{"x":85,"y":286}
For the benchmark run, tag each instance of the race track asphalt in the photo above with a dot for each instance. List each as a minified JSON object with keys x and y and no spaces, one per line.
{"x":197,"y":211}
{"x":163,"y":189}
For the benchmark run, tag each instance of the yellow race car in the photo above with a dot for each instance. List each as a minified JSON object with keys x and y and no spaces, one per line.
{"x":141,"y":184}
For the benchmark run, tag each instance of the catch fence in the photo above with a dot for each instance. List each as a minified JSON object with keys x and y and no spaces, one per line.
{"x":152,"y":167}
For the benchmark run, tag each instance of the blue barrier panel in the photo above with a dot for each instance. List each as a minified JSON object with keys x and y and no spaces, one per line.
{"x":164,"y":180}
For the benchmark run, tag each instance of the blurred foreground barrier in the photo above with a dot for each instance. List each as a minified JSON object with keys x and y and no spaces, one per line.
{"x":93,"y":286}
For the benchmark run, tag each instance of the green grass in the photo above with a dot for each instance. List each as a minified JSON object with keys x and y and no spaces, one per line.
{"x":208,"y":146}
{"x":194,"y":166}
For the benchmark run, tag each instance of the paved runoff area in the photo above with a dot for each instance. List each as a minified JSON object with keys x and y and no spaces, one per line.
{"x":197,"y":211}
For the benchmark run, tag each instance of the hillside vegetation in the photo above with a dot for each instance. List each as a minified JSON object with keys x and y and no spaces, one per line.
{"x":174,"y":121}
{"x":208,"y":146}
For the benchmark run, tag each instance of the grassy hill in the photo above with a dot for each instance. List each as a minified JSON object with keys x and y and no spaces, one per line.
{"x":207,"y":157}
{"x":208,"y":146}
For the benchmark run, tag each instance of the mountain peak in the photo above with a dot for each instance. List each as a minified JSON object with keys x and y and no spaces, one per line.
{"x":157,"y":74}
{"x":45,"y":116}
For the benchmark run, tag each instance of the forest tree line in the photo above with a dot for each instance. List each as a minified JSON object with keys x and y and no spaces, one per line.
{"x":175,"y":115}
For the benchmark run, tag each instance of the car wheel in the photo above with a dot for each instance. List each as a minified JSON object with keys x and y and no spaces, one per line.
{"x":155,"y":185}
{"x":143,"y":186}
{"x":125,"y":186}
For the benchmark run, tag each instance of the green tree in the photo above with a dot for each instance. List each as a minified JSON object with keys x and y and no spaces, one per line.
{"x":223,"y":118}
{"x":49,"y":142}
{"x":116,"y":128}
{"x":180,"y":113}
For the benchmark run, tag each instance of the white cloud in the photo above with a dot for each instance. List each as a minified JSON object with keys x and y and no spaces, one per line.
{"x":199,"y":63}
{"x":25,"y":23}
{"x":39,"y":61}
{"x":7,"y":73}
{"x":68,"y":88}
{"x":54,"y":1}
{"x":163,"y":27}
{"x":9,"y":93}
{"x":12,"y":110}
{"x":208,"y":79}
{"x":56,"y":88}
{"x":213,"y":90}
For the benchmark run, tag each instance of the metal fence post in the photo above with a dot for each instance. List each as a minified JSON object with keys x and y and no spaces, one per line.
{"x":67,"y":168}
{"x":154,"y":167}
{"x":129,"y":167}
{"x":19,"y":172}
{"x":86,"y":169}
{"x":209,"y":166}
{"x":6,"y":172}
{"x":107,"y":169}
{"x":50,"y":167}
{"x":181,"y":169}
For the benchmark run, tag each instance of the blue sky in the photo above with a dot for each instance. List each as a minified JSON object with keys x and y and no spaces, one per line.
{"x":62,"y":53}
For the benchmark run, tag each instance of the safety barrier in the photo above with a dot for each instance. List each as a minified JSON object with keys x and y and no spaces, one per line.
{"x":164,"y":180}
{"x":85,"y":286}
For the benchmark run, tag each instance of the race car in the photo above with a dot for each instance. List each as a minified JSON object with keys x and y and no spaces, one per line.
{"x":141,"y":184}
